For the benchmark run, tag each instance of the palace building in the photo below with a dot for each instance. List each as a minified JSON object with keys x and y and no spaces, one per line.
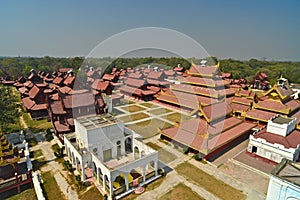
{"x":117,"y":158}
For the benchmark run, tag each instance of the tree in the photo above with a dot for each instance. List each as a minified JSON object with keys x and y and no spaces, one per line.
{"x":9,"y":107}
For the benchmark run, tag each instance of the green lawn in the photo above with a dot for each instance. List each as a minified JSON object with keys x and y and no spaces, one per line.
{"x":182,"y":192}
{"x":132,"y":108}
{"x":91,"y":193}
{"x":149,"y":105}
{"x":133,"y":117}
{"x":163,"y":155}
{"x":36,"y":125}
{"x":149,"y":128}
{"x":177,"y":117}
{"x":159,"y":111}
{"x":37,"y":153}
{"x":28,"y":194}
{"x":51,"y":187}
{"x":209,"y":182}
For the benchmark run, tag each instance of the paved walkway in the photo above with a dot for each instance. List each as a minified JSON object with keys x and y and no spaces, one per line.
{"x":59,"y":175}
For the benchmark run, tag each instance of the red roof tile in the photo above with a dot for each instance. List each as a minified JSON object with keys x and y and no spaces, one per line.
{"x":33,"y":92}
{"x":65,"y":90}
{"x":100,"y":85}
{"x":109,"y":77}
{"x":293,"y":104}
{"x":204,"y":81}
{"x":28,"y":103}
{"x":61,"y":127}
{"x":290,"y":141}
{"x":155,"y":75}
{"x":200,"y":70}
{"x":170,"y":73}
{"x":242,"y":101}
{"x":130,"y":90}
{"x":195,"y":90}
{"x":229,"y":135}
{"x":23,"y":90}
{"x":272,"y":105}
{"x":57,"y":108}
{"x":69,"y":80}
{"x":58,"y":80}
{"x":237,"y":107}
{"x":134,"y":82}
{"x":28,"y":84}
{"x":260,"y":115}
{"x":39,"y":107}
{"x":135,"y":75}
{"x":78,"y":100}
{"x":216,"y":111}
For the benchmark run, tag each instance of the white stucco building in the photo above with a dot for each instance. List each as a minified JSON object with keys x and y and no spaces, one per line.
{"x":105,"y":145}
{"x":278,"y":140}
{"x":284,"y":182}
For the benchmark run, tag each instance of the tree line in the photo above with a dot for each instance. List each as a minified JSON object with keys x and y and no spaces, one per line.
{"x":16,"y":66}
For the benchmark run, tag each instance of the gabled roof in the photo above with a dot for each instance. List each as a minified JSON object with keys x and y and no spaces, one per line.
{"x":204,"y":81}
{"x":259,"y":115}
{"x":237,"y":107}
{"x":57,"y":108}
{"x":240,"y":100}
{"x":28,"y":103}
{"x":136,"y":75}
{"x":273,"y":106}
{"x":134,"y":82}
{"x":69,"y":80}
{"x":65,"y":90}
{"x":64,"y":70}
{"x":156,"y":75}
{"x":100,"y":85}
{"x":33,"y":92}
{"x":78,"y":100}
{"x":199,"y":70}
{"x":109,"y":77}
{"x":216,"y":111}
{"x":283,"y":92}
{"x":131,"y":90}
{"x":170,"y":73}
{"x":28,"y":84}
{"x":58,"y":80}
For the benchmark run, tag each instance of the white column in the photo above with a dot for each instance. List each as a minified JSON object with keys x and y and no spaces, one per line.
{"x":126,"y":181}
{"x":144,"y":173}
{"x":104,"y":182}
{"x":111,"y":188}
{"x":82,"y":170}
{"x":155,"y":167}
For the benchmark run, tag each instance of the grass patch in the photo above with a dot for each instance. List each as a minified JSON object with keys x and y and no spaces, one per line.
{"x":209,"y":182}
{"x":25,"y":195}
{"x":126,"y":101}
{"x":177,"y":117}
{"x":166,"y":156}
{"x":36,"y":125}
{"x":132,"y":108}
{"x":32,"y":141}
{"x":51,"y":187}
{"x":36,"y":153}
{"x":148,"y":105}
{"x":153,"y":146}
{"x":150,"y":186}
{"x":133,"y":117}
{"x":55,"y":147}
{"x":91,"y":193}
{"x":159,"y":111}
{"x":14,"y":127}
{"x":149,"y":128}
{"x":181,"y":191}
{"x":163,"y":154}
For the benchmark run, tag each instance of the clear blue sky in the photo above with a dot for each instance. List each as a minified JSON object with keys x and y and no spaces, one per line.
{"x":231,"y":28}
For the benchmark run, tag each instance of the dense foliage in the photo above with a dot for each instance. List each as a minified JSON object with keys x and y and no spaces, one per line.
{"x":239,"y":69}
{"x":9,"y":107}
